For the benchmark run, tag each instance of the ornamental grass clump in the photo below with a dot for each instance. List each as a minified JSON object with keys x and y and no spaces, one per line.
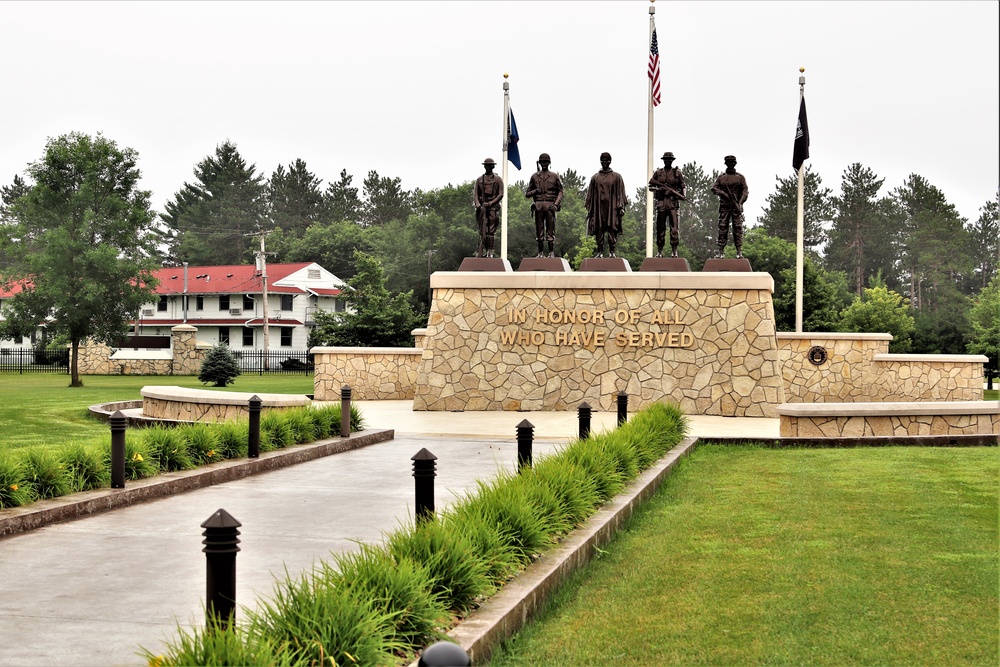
{"x":324,"y":624}
{"x":47,"y":473}
{"x":234,"y":439}
{"x":203,"y":443}
{"x":575,"y":490}
{"x":139,"y":463}
{"x":86,"y":465}
{"x":275,"y":431}
{"x":457,"y":573}
{"x":301,"y":424}
{"x":397,"y":587}
{"x":234,"y":647}
{"x":168,"y":448}
{"x":15,"y":490}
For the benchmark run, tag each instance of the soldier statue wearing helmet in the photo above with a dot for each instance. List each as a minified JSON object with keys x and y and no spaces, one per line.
{"x":546,"y":190}
{"x":486,"y":198}
{"x":668,"y":189}
{"x":732,"y":191}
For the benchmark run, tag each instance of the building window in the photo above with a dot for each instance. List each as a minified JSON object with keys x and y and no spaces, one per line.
{"x":247,"y":302}
{"x":223,"y":302}
{"x":339,"y":306}
{"x":247,"y":337}
{"x":286,"y":301}
{"x":224,"y":335}
{"x":199,"y":303}
{"x":286,"y":336}
{"x":161,"y":305}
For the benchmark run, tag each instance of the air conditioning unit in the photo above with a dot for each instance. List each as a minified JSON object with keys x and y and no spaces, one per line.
{"x":235,"y":311}
{"x":148,"y":312}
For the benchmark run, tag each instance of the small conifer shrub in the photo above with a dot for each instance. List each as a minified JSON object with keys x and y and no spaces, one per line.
{"x":220,"y":367}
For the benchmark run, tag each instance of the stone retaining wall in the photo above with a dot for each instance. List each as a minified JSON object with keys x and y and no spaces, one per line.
{"x":855,"y":420}
{"x":858,"y":368}
{"x":184,"y":357}
{"x":549,"y":341}
{"x":204,"y":405}
{"x":373,"y":373}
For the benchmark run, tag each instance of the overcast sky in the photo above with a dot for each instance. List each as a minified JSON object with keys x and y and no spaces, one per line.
{"x":415,"y":89}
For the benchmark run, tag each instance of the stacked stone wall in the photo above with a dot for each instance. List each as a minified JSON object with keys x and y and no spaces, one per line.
{"x":187,"y":356}
{"x":704,"y":341}
{"x":888,"y":425}
{"x":371,"y":373}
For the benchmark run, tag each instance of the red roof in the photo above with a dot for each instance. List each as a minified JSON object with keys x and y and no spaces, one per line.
{"x":236,"y":279}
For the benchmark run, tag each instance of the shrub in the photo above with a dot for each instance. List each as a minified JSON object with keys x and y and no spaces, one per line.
{"x":220,"y":367}
{"x":167,"y":448}
{"x":86,"y":466}
{"x":15,"y":490}
{"x":47,"y":473}
{"x":234,"y":439}
{"x":203,"y":443}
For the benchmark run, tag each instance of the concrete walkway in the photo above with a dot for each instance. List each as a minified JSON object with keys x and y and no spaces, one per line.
{"x":91,"y":591}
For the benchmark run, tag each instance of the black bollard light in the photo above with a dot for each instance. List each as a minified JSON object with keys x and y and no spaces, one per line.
{"x":221,"y":531}
{"x":424,"y":472}
{"x":525,"y":435}
{"x":444,"y":654}
{"x":345,"y":411}
{"x":118,"y":425}
{"x":622,"y":407}
{"x":253,"y":447}
{"x":583,"y":414}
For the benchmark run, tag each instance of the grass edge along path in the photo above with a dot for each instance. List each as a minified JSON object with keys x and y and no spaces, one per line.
{"x":791,"y":557}
{"x":378,"y":605}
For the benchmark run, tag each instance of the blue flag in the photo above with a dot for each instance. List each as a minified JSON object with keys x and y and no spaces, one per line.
{"x":513,"y":155}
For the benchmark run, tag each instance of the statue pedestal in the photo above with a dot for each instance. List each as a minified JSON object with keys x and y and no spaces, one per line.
{"x":484,"y":264}
{"x":544,"y":264}
{"x":665,"y":264}
{"x":606,"y":264}
{"x":741,"y":265}
{"x":535,"y":340}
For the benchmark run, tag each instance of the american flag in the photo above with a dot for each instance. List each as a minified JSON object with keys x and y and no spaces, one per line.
{"x":654,"y":69}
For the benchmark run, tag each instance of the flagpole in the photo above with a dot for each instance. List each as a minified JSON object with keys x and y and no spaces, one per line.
{"x":649,"y":146}
{"x":503,"y":161}
{"x":799,"y":223}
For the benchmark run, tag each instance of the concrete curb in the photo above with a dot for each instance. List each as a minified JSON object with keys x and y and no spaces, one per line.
{"x":17,"y":520}
{"x":517,"y":602}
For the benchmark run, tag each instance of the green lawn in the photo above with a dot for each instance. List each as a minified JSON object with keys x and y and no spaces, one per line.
{"x":44,"y":409}
{"x":883,"y":556}
{"x":991,"y":394}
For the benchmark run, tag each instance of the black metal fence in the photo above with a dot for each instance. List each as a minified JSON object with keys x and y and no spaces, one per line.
{"x":260,"y":363}
{"x":27,"y":360}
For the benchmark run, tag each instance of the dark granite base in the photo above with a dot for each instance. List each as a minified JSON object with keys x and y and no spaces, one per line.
{"x":484,"y":264}
{"x":544,"y":264}
{"x":619,"y":264}
{"x":736,"y":265}
{"x":665,"y":264}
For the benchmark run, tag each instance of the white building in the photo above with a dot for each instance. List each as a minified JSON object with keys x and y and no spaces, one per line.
{"x":226,"y":304}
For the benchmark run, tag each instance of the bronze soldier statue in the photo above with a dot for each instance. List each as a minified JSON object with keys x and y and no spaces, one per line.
{"x":606,"y":202}
{"x":546,"y":189}
{"x":486,"y":198}
{"x":668,"y":189}
{"x":732,"y":190}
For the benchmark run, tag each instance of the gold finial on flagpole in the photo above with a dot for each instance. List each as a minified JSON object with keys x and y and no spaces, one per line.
{"x":505,"y":75}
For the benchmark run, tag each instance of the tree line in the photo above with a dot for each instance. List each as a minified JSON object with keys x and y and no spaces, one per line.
{"x":867,"y":246}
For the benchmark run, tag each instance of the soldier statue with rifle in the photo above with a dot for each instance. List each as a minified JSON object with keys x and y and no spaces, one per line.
{"x":486,"y":198}
{"x":668,"y":189}
{"x":545,"y":189}
{"x":732,"y":190}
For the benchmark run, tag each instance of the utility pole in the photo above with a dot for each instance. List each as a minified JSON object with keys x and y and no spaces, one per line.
{"x":262,"y":267}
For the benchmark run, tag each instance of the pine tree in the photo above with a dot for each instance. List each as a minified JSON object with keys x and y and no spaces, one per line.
{"x":210,"y":221}
{"x":780,"y":216}
{"x":295,"y":198}
{"x":220,"y":367}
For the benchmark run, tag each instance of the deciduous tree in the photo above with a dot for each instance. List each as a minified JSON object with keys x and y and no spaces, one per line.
{"x":82,"y":233}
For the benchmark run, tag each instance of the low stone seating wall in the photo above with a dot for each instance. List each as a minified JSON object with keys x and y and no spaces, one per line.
{"x":372,"y":373}
{"x":203,"y":405}
{"x":918,"y":418}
